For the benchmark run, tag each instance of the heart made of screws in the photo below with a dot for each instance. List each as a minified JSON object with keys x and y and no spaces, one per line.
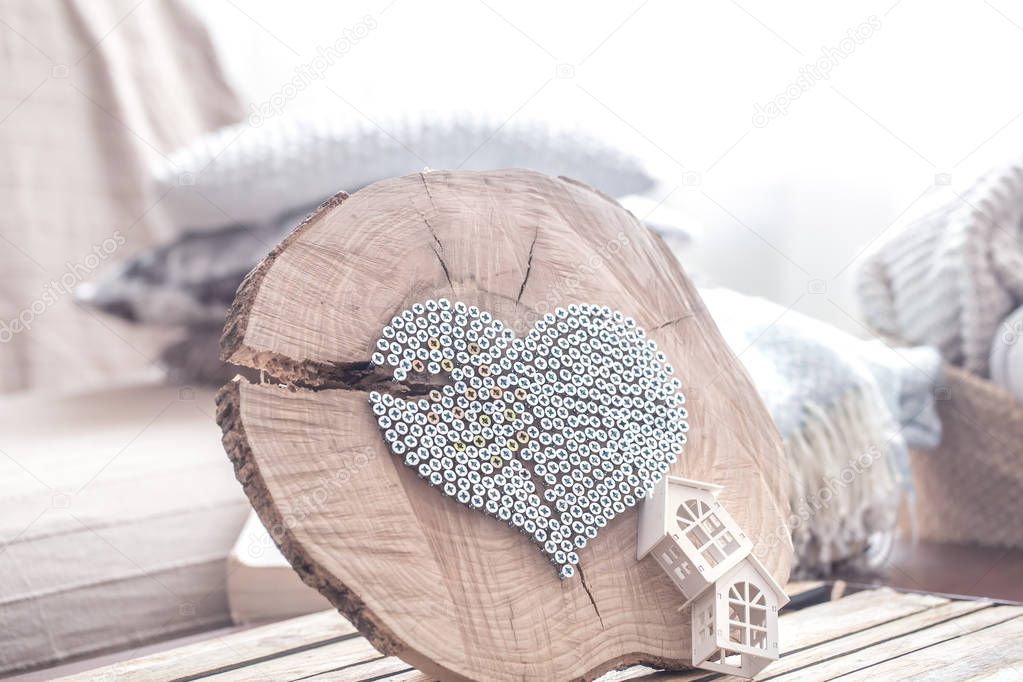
{"x":555,"y":433}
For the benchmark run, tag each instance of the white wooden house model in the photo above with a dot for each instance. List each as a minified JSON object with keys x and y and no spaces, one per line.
{"x":735,"y":624}
{"x":735,"y":600}
{"x":689,"y":533}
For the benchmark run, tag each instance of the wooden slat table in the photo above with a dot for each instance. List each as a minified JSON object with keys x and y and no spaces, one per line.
{"x":875,"y":633}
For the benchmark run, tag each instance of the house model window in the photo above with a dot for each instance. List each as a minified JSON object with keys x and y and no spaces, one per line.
{"x":734,"y":599}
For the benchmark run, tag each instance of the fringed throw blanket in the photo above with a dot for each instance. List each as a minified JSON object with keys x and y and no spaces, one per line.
{"x":950,"y":277}
{"x":847,"y":410}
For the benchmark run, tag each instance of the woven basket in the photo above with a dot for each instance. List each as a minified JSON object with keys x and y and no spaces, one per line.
{"x":970,"y":489}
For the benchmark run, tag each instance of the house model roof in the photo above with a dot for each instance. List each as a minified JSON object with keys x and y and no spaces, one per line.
{"x":753,"y":561}
{"x":700,"y":485}
{"x":655,"y":519}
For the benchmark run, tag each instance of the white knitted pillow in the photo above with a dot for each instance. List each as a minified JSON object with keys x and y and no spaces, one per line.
{"x":248,"y":175}
{"x":949,"y":277}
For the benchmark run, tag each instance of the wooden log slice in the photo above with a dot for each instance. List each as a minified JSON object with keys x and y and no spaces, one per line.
{"x":450,"y":590}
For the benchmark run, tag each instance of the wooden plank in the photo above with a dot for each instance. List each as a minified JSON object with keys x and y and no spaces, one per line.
{"x":797,"y":587}
{"x":630,"y":673}
{"x":795,"y":590}
{"x":641,"y":672}
{"x":329,"y":657}
{"x":231,"y":650}
{"x":993,"y":652}
{"x":859,"y":632}
{"x":871,"y":636}
{"x":989,"y":636}
{"x":380,"y":668}
{"x":681,"y":676}
{"x":392,"y":669}
{"x":409,"y":676}
{"x":816,"y":624}
{"x":806,"y":593}
{"x":1011,"y":674}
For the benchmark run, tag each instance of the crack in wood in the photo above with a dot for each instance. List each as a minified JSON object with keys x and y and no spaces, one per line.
{"x":356,"y":376}
{"x":444,"y":267}
{"x":433,"y":233}
{"x":674,"y":321}
{"x":593,"y":602}
{"x":426,"y":221}
{"x":426,"y":186}
{"x":529,"y":265}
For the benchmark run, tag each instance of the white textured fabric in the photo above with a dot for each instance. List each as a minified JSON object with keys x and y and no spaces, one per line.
{"x":1007,"y":354}
{"x":845,"y":409}
{"x":948,"y":278}
{"x":250,"y":175}
{"x":117,"y":512}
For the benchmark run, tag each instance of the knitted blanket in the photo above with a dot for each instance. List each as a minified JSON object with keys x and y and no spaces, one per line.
{"x":949,"y":277}
{"x":847,"y":410}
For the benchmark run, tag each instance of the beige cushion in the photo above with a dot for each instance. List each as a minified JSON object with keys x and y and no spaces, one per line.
{"x":117,"y":512}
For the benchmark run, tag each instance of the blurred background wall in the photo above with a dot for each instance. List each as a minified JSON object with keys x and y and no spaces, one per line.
{"x":919,"y":96}
{"x":787,"y":137}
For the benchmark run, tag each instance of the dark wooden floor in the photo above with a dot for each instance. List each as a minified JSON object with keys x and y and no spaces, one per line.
{"x":951,"y":569}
